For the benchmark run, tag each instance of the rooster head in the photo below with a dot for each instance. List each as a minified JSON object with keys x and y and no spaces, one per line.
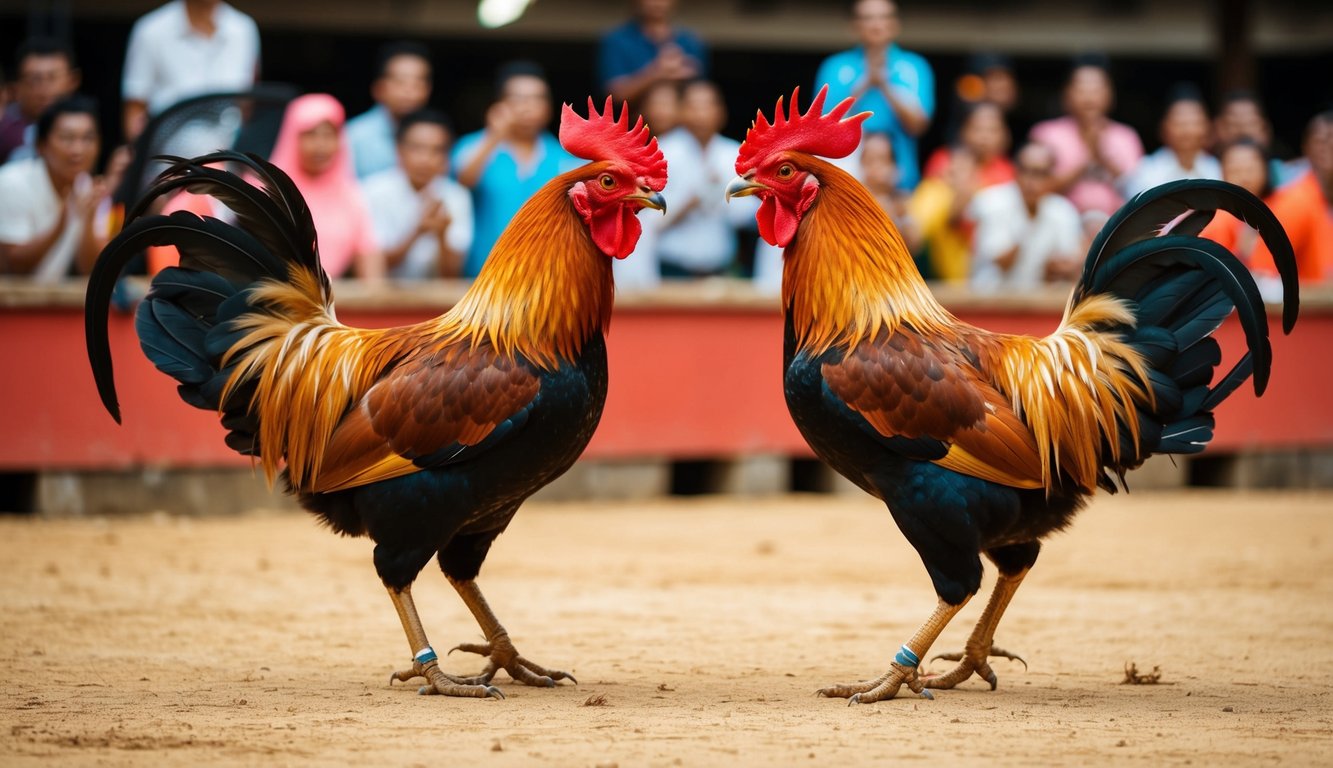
{"x":627,"y":174}
{"x":771,"y":161}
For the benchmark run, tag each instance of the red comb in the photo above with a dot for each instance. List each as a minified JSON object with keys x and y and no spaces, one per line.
{"x":819,"y":134}
{"x":601,"y":137}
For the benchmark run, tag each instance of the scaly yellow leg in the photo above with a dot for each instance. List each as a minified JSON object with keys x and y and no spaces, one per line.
{"x":498,"y":649}
{"x":904,"y":667}
{"x":424,"y":661}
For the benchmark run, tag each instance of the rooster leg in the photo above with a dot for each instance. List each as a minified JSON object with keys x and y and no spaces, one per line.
{"x":979,"y":647}
{"x":498,"y":648}
{"x":904,"y":668}
{"x":425,"y":663}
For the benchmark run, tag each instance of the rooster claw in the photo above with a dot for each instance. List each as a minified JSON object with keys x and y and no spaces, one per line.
{"x":441,"y":683}
{"x":503,"y":655}
{"x":884,"y":687}
{"x":971,"y":662}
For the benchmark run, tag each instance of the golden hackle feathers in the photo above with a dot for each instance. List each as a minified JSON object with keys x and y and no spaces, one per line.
{"x":848,"y":277}
{"x":543,"y":292}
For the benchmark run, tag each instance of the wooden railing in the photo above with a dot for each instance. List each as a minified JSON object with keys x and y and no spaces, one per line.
{"x":695,"y":373}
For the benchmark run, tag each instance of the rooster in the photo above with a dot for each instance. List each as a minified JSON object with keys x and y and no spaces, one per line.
{"x":428,"y":437}
{"x":978,"y":442}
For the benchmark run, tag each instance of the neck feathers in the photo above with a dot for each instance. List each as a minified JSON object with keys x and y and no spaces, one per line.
{"x":848,"y":277}
{"x":546,"y":288}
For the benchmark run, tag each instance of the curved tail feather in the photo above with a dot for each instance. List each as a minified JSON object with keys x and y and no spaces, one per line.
{"x":1145,"y":216}
{"x":193,"y":322}
{"x":1180,"y":288}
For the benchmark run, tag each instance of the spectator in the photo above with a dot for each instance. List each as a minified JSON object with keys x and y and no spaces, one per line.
{"x":423,"y":219}
{"x":938,"y":207}
{"x":1305,"y":208}
{"x":46,"y":73}
{"x":986,"y":77}
{"x":895,"y":85}
{"x":186,"y":48}
{"x":312,"y":149}
{"x":1092,"y":151}
{"x":648,"y":50}
{"x":1245,"y":164}
{"x":1242,"y":116}
{"x":660,"y":107}
{"x":697,"y":238}
{"x":402,"y":86}
{"x":53,"y":212}
{"x":879,"y":172}
{"x":983,"y":133}
{"x":511,"y":158}
{"x":1184,"y":131}
{"x":1026,"y":234}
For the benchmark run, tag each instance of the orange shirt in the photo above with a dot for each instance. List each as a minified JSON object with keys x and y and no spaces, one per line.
{"x":998,"y":171}
{"x":1236,"y":236}
{"x":1304,"y":213}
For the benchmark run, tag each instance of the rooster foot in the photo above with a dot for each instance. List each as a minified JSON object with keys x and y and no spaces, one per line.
{"x":501,"y":654}
{"x":884,"y":687}
{"x":970,"y":662}
{"x":441,"y":683}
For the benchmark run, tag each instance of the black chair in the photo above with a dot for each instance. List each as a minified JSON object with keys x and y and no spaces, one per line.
{"x":246,"y":121}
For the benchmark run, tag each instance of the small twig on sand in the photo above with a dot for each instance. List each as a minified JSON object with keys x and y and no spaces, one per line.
{"x":1134,"y":677}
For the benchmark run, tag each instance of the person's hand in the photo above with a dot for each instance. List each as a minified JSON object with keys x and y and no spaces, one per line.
{"x":116,"y":165}
{"x":500,"y":120}
{"x":672,"y":63}
{"x":435,"y":218}
{"x":87,"y":195}
{"x":1061,"y":270}
{"x":1091,"y":133}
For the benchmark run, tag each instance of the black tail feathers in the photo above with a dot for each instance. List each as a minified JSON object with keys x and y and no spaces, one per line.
{"x":1181,"y":287}
{"x":183,"y":322}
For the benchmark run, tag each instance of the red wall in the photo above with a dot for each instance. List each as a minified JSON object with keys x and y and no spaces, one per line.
{"x":687,"y":381}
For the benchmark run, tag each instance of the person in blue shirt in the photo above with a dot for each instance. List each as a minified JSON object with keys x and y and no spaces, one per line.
{"x":511,"y":158}
{"x":897,"y":85}
{"x":647,"y":50}
{"x":402,"y":86}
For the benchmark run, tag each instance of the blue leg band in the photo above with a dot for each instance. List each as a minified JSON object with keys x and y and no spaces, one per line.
{"x":906,"y":658}
{"x":426,"y":655}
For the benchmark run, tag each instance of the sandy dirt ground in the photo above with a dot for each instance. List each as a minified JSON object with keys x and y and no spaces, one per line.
{"x":698,"y":631}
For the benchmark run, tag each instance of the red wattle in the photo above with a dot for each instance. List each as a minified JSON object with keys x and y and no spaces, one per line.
{"x":777,"y":224}
{"x":616,"y":230}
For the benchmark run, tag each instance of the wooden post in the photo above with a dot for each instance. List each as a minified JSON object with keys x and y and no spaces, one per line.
{"x":1235,"y":50}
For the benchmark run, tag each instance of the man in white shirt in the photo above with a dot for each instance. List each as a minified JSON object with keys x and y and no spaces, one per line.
{"x":1026,"y":234}
{"x":49,"y":204}
{"x":422,"y":219}
{"x":1185,"y":131}
{"x":698,"y":236}
{"x":186,"y":48}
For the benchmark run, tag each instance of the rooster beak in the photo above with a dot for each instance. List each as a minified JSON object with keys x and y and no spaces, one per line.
{"x":743,"y":187}
{"x":650,"y":199}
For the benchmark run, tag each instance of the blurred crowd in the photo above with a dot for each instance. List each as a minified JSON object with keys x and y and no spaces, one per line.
{"x":396,"y":194}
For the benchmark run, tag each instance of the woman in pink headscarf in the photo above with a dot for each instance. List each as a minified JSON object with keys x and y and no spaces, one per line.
{"x":312,"y":149}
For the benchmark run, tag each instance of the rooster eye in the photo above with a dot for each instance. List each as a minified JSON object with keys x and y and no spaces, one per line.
{"x":608,"y":181}
{"x":786,"y":171}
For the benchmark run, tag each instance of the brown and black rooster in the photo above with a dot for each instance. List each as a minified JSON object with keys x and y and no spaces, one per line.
{"x":978,"y":442}
{"x":425,"y":438}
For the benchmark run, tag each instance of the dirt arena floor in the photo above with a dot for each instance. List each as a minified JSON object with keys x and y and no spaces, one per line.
{"x":698,"y":631}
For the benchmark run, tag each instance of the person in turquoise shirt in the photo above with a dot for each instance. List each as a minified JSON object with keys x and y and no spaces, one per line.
{"x":505,"y":163}
{"x":897,"y":85}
